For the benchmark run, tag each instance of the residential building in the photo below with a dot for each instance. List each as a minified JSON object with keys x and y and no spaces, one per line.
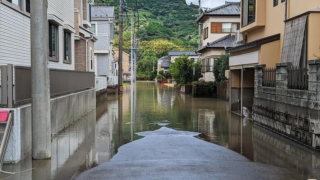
{"x":265,"y":26}
{"x":102,"y":26}
{"x":66,"y":91}
{"x":163,"y":64}
{"x":274,"y":73}
{"x":126,"y":69}
{"x":176,"y":54}
{"x":84,"y":38}
{"x":15,"y":33}
{"x":220,"y":26}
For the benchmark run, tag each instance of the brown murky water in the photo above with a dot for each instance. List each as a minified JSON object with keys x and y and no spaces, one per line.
{"x":96,"y":137}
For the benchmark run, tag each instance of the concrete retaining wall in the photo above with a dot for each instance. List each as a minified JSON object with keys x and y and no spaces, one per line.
{"x":290,"y":112}
{"x":65,"y":110}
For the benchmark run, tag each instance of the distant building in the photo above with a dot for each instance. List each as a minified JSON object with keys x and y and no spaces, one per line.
{"x":163,"y":64}
{"x":102,"y":26}
{"x":191,"y":54}
{"x":84,"y":38}
{"x":220,"y":26}
{"x":125,"y":64}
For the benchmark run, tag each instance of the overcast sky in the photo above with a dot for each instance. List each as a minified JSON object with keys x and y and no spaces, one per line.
{"x":210,"y":3}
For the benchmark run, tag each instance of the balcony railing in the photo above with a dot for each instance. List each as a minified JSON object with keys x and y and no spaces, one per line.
{"x":16,"y":84}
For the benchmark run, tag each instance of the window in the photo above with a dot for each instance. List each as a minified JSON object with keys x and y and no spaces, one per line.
{"x":21,"y":5}
{"x":205,"y":33}
{"x":67,"y":47}
{"x":275,"y":2}
{"x":283,"y":1}
{"x":16,"y":2}
{"x":53,"y":42}
{"x":248,"y":12}
{"x":93,"y":28}
{"x":224,"y":27}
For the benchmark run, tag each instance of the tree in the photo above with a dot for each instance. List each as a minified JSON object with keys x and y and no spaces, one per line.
{"x":182,"y":70}
{"x":221,"y":64}
{"x":148,"y":66}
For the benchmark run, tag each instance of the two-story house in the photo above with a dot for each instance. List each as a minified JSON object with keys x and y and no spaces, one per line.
{"x":102,"y":26}
{"x":84,"y":38}
{"x":126,"y":69}
{"x":273,"y":32}
{"x":15,"y":23}
{"x":220,"y":25}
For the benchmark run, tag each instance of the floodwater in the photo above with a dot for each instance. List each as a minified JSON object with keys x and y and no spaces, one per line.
{"x":96,"y":137}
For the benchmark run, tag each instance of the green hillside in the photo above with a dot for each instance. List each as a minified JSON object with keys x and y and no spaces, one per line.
{"x":165,"y":25}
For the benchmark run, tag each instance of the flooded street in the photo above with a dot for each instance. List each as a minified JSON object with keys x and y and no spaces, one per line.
{"x":96,"y":138}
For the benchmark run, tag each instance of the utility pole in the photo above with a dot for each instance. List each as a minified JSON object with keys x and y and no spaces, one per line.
{"x":120,"y":46}
{"x":40,"y":91}
{"x":200,"y":44}
{"x":131,"y":51}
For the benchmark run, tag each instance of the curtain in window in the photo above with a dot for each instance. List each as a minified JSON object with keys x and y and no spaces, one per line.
{"x":226,"y":27}
{"x":211,"y":64}
{"x":293,"y":40}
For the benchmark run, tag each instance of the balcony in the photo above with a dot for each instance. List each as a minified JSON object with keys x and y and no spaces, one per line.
{"x":255,"y":16}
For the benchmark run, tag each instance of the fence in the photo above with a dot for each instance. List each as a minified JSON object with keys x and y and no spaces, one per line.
{"x":16,"y":84}
{"x":298,"y":78}
{"x":113,"y":81}
{"x":101,"y":83}
{"x":269,"y":77}
{"x":222,"y":91}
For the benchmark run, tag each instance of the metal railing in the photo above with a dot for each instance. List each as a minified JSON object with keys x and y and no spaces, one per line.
{"x":298,"y":78}
{"x":101,"y":83}
{"x":16,"y":84}
{"x":113,"y":81}
{"x":269,"y":77}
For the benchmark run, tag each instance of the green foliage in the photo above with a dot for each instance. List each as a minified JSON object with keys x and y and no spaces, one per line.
{"x":182,"y":70}
{"x":221,"y":64}
{"x":159,"y":77}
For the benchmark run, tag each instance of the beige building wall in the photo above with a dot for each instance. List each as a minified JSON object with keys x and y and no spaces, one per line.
{"x":270,"y":53}
{"x":314,"y":36}
{"x":125,"y":57}
{"x":270,"y":21}
{"x":214,"y":36}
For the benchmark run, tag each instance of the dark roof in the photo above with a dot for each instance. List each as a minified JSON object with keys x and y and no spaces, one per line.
{"x":102,"y":11}
{"x":224,"y":42}
{"x":180,"y":53}
{"x":165,"y":64}
{"x":228,"y":9}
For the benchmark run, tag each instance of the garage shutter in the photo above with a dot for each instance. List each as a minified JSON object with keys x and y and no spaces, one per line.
{"x":294,"y":37}
{"x":216,"y":27}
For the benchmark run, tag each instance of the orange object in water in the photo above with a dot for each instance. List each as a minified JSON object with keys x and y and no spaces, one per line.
{"x":4,"y":116}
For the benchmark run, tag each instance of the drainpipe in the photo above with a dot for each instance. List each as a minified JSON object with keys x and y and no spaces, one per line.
{"x":241,"y":96}
{"x":86,"y":54}
{"x":286,"y":10}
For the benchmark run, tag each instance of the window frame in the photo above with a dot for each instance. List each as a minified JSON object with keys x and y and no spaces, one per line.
{"x":232,"y":23}
{"x":242,"y":13}
{"x":56,"y":57}
{"x":206,"y":33}
{"x":275,"y":3}
{"x":21,"y":9}
{"x":96,"y":27}
{"x":65,"y":60}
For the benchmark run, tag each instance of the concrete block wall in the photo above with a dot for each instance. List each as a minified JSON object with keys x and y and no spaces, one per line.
{"x":65,"y":111}
{"x":291,"y":112}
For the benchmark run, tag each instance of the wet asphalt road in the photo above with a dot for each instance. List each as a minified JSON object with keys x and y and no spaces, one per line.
{"x":170,"y":154}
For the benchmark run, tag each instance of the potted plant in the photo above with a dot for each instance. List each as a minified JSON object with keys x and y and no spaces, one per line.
{"x":194,"y":84}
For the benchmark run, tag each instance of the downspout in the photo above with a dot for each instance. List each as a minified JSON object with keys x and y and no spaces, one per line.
{"x":286,"y":10}
{"x":86,"y":54}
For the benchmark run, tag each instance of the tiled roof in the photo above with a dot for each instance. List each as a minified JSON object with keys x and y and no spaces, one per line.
{"x":179,"y":53}
{"x":102,"y":11}
{"x":224,"y":42}
{"x":228,"y":9}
